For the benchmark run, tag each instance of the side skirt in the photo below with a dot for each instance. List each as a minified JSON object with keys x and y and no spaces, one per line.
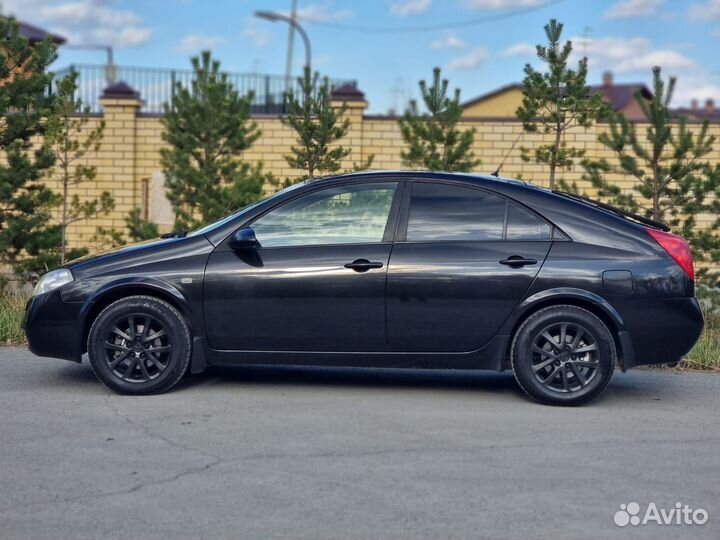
{"x":489,"y":357}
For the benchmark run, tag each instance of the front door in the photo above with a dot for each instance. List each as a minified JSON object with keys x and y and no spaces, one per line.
{"x":317,"y":281}
{"x":464,"y":262}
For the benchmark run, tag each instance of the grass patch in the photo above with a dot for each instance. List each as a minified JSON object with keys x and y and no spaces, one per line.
{"x":12,"y":309}
{"x":706,"y":353}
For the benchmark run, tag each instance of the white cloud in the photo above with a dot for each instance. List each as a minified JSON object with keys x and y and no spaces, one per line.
{"x":501,"y":4}
{"x":627,"y":55}
{"x":709,"y":10}
{"x":689,"y":88}
{"x":449,"y":41}
{"x":645,"y":62}
{"x":520,"y":49}
{"x":197,"y":42}
{"x":84,"y":21}
{"x":624,"y":9}
{"x":325,"y":12}
{"x":256,"y":32}
{"x":471,"y":60}
{"x":409,"y":7}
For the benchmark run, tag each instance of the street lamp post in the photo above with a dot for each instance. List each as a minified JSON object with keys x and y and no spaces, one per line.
{"x":110,"y":69}
{"x":274,"y":17}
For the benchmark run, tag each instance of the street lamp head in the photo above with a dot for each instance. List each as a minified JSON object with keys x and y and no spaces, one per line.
{"x":268,"y":15}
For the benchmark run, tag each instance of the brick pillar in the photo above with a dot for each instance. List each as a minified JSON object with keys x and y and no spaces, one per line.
{"x":356,"y":106}
{"x":117,"y":164}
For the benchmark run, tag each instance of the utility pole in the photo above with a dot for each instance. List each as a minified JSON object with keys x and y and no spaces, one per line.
{"x":291,"y":39}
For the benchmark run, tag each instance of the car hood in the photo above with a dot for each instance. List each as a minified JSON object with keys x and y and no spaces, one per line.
{"x":137,"y":254}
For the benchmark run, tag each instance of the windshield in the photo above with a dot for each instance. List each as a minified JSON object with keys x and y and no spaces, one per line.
{"x":227,"y":219}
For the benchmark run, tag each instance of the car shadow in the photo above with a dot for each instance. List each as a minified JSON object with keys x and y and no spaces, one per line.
{"x":484,"y":381}
{"x":80,"y":376}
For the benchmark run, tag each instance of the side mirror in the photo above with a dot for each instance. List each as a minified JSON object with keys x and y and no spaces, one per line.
{"x":244,"y":239}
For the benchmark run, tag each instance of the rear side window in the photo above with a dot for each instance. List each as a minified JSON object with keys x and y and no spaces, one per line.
{"x":444,"y":212}
{"x":455,"y":213}
{"x":524,"y":225}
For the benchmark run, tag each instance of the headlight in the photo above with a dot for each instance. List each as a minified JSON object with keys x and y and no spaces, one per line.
{"x":53,"y":280}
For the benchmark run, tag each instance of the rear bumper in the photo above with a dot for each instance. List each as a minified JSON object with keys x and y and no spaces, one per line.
{"x":661,"y":331}
{"x":53,"y":327}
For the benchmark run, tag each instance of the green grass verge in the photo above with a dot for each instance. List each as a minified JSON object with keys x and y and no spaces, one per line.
{"x":12,"y":308}
{"x":705,"y":355}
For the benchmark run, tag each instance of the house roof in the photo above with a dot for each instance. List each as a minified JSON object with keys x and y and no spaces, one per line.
{"x":34,"y":34}
{"x":496,"y":92}
{"x":617,"y":95}
{"x":698,"y":114}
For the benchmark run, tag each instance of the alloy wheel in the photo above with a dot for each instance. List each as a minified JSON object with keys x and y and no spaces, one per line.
{"x":565,"y":357}
{"x":137,"y":348}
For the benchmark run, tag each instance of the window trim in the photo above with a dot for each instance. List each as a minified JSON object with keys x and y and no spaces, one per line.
{"x":401,"y":236}
{"x":390,"y":225}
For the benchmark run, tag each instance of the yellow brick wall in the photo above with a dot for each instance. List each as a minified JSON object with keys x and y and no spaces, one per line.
{"x":130,"y":153}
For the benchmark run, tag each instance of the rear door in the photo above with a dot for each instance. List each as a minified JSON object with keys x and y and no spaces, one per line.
{"x":463,"y":258}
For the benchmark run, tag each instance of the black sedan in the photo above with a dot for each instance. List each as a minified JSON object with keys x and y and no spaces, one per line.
{"x":385,"y":269}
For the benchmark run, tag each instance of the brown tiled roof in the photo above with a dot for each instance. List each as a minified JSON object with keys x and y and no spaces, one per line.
{"x":619,"y":95}
{"x":34,"y":34}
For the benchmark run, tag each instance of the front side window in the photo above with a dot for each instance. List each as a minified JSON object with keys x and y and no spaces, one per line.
{"x":356,"y":214}
{"x":454,"y":213}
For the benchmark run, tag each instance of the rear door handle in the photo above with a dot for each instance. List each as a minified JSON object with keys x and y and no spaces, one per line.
{"x":516,"y":261}
{"x":363,"y":265}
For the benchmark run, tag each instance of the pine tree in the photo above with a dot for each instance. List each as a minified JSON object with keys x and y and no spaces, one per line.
{"x":317,"y":125}
{"x":71,"y":141}
{"x":434,"y":140}
{"x":555,"y":101}
{"x":207,"y":127}
{"x":673,"y":182}
{"x":26,"y":232}
{"x":139,"y":229}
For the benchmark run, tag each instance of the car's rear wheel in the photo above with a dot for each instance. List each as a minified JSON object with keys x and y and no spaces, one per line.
{"x":563,"y":355}
{"x":139,"y":345}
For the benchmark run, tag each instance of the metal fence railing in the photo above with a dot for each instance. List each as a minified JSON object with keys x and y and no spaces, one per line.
{"x":156,"y":86}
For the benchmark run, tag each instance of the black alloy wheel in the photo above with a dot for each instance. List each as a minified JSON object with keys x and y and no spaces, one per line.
{"x":563,"y":355}
{"x":137,"y":348}
{"x":139,"y":345}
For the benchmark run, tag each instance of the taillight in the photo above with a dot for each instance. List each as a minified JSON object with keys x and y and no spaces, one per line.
{"x":677,"y":247}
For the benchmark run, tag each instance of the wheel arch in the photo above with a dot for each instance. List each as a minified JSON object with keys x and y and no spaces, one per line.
{"x":589,"y":301}
{"x":130,"y":287}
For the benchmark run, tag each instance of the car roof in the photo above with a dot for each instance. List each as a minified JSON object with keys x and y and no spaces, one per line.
{"x":415,"y":174}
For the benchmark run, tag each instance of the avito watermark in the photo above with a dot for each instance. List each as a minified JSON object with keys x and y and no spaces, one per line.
{"x":680,"y":514}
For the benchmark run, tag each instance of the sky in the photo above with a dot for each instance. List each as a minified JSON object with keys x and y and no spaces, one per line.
{"x":386,"y":45}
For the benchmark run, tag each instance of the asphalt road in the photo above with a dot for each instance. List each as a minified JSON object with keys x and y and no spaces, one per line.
{"x":294,"y":453}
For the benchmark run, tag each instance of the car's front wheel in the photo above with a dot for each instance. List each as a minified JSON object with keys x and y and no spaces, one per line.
{"x":139,"y":345}
{"x":563,"y":355}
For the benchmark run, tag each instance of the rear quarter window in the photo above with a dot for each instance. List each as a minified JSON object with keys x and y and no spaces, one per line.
{"x":524,"y":225}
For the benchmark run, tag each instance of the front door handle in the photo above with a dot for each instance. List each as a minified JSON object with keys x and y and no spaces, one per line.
{"x":363,"y":265}
{"x":516,"y":261}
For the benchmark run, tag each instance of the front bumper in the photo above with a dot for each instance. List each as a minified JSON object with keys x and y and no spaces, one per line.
{"x":53,"y":327}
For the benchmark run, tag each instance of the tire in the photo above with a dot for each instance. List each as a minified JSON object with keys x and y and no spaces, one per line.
{"x":139,"y":345}
{"x":572,"y":369}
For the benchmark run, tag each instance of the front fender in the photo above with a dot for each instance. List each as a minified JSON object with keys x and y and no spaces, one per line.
{"x":126,"y":286}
